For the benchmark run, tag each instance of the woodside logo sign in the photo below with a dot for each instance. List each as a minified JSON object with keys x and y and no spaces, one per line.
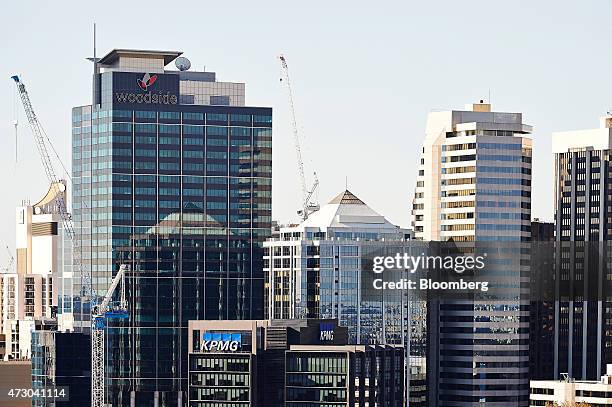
{"x":148,"y":98}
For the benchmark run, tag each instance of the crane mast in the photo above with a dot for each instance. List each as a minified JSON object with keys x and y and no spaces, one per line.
{"x":308,"y":204}
{"x":100,"y":315}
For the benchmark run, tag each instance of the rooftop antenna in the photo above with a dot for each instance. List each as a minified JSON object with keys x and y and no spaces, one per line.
{"x":346,"y":182}
{"x":489,"y":99}
{"x":95,"y":70}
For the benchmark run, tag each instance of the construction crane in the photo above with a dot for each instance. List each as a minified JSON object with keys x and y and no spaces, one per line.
{"x":100,"y":315}
{"x":308,"y":204}
{"x":102,"y":312}
{"x":9,"y":267}
{"x":41,"y":140}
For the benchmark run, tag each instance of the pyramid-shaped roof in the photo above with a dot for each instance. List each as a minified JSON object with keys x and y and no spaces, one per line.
{"x":347,"y":210}
{"x":347,"y":198}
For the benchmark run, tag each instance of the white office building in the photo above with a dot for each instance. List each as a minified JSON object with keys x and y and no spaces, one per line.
{"x":29,"y":292}
{"x":317,"y":270}
{"x":595,"y":393}
{"x":474,"y":185}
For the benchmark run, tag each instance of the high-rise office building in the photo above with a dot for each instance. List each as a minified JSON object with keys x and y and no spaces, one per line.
{"x":320,"y":269}
{"x":474,"y":178}
{"x":474,"y":185}
{"x":28,"y":293}
{"x":583,"y":223}
{"x":172,"y":175}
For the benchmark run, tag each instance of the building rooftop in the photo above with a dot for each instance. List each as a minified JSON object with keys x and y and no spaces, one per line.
{"x":347,"y":210}
{"x":114,"y":55}
{"x":346,"y":198}
{"x":578,"y":140}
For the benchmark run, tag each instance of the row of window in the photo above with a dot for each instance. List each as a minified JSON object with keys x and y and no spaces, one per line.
{"x":187,"y":116}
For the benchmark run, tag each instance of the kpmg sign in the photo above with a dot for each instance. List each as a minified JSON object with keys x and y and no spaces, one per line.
{"x":326,"y":331}
{"x":148,"y":89}
{"x":220,"y":342}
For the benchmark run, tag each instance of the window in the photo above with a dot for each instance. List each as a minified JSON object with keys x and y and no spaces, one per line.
{"x":258,"y":119}
{"x":216,"y":142}
{"x":190,"y":129}
{"x":193,"y":154}
{"x":146,"y":140}
{"x":216,"y":131}
{"x":126,"y":127}
{"x":215,"y":205}
{"x":243,"y":118}
{"x":193,"y":116}
{"x":216,"y":167}
{"x":169,"y":153}
{"x":122,"y":114}
{"x":218,"y":155}
{"x":169,"y":129}
{"x":145,"y":153}
{"x":145,"y":128}
{"x":216,"y":117}
{"x":169,"y":191}
{"x":240,"y":132}
{"x":216,"y":192}
{"x":193,"y":141}
{"x":145,"y":216}
{"x":169,"y":166}
{"x":169,"y":115}
{"x":145,"y":114}
{"x":169,"y":140}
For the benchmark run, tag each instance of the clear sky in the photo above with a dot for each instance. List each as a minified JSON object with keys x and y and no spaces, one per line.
{"x":365,"y":75}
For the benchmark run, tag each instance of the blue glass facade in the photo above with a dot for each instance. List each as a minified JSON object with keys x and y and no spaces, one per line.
{"x":182,"y":193}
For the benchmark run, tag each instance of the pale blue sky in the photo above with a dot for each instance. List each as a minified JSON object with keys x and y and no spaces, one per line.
{"x":365,"y":75}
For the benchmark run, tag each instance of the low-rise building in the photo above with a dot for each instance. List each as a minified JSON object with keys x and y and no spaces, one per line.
{"x":289,"y":363}
{"x":558,"y":392}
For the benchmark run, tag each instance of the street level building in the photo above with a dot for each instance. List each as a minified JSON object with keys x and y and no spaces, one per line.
{"x":289,"y":363}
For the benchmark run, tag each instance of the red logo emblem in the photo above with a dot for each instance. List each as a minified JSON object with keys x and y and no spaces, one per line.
{"x":146,"y":81}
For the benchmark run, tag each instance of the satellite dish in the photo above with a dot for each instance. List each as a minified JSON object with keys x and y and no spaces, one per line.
{"x":182,"y":63}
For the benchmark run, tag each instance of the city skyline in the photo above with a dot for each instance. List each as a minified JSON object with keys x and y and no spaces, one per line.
{"x":349,"y":75}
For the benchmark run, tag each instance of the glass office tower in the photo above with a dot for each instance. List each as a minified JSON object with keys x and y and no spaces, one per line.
{"x":172,"y":175}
